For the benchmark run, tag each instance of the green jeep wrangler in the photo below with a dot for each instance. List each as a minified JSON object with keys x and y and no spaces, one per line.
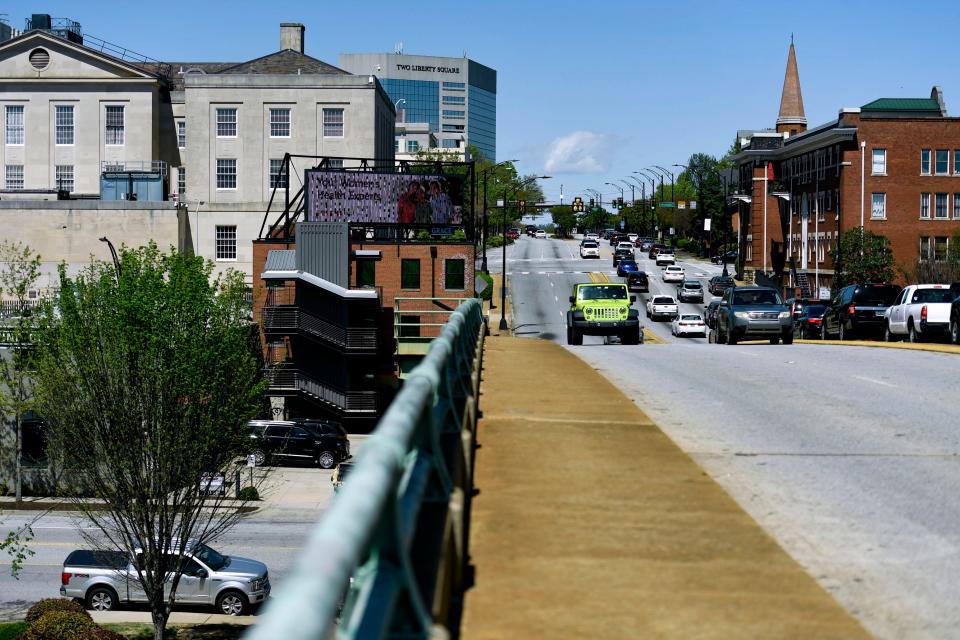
{"x":602,"y":309}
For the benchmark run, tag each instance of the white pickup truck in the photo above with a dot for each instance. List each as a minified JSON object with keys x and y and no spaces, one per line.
{"x":662,"y":307}
{"x":921,"y":311}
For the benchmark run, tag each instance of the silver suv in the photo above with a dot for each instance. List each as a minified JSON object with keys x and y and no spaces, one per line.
{"x":690,"y":290}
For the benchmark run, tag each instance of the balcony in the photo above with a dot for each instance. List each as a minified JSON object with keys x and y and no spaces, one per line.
{"x":285,"y":380}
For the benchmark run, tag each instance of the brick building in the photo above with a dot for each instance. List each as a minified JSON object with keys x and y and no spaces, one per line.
{"x":892,"y":165}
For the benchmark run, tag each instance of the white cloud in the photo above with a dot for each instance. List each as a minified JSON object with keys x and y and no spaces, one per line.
{"x":578,"y":152}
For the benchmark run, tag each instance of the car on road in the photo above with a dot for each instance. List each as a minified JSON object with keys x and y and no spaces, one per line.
{"x":622,"y":254}
{"x":666,"y":256}
{"x":654,"y":250}
{"x":920,"y":312}
{"x":320,"y":442}
{"x":859,"y":310}
{"x":753,"y":312}
{"x":105,"y":579}
{"x":725,"y":258}
{"x":689,"y":290}
{"x":645,"y":245}
{"x":662,"y":307}
{"x":710,"y":313}
{"x":590,"y":249}
{"x":602,"y":309}
{"x":717,"y":285}
{"x":513,"y":234}
{"x":674,"y":273}
{"x":633,"y":237}
{"x":540,"y":233}
{"x":592,"y":235}
{"x":615,"y":238}
{"x":530,"y":230}
{"x":638,"y":281}
{"x":627,"y":266}
{"x":807,"y":323}
{"x":688,"y":324}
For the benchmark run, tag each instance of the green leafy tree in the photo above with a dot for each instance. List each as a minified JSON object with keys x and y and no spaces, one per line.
{"x":564,"y":218}
{"x":862,"y":256}
{"x":147,"y":375}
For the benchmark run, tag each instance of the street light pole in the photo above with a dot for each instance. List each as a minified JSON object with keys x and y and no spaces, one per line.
{"x":503,"y":284}
{"x":672,"y":181}
{"x":653,"y":192}
{"x":113,"y":253}
{"x":486,"y":217}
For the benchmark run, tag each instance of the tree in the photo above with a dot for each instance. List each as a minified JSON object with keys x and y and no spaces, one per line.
{"x":147,"y":375}
{"x":563,"y":218}
{"x":861,"y":256}
{"x":19,"y":272}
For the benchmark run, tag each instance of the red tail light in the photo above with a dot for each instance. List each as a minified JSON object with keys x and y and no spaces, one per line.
{"x":851,"y":309}
{"x":923,"y":313}
{"x":814,"y":321}
{"x":65,"y":578}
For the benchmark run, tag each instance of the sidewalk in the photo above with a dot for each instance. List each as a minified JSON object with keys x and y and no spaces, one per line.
{"x":591,"y":523}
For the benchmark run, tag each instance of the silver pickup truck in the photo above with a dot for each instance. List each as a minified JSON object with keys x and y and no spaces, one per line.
{"x":105,"y":579}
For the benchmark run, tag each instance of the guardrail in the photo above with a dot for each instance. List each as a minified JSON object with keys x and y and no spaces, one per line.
{"x":392,"y":545}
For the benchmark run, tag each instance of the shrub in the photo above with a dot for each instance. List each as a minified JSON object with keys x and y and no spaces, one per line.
{"x":56,"y":625}
{"x":100,"y":633}
{"x":48,"y":605}
{"x":248,"y":493}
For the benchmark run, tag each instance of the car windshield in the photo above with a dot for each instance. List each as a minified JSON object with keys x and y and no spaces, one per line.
{"x":932,"y":295}
{"x":603,"y":292}
{"x":693,"y":317}
{"x":663,"y":300}
{"x":876,"y":295}
{"x":814,"y":310}
{"x":626,"y":262}
{"x":758,"y":297}
{"x":211,"y":558}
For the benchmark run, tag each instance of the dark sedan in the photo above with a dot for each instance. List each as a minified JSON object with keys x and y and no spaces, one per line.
{"x":719,"y":284}
{"x":638,"y":281}
{"x":808,"y":322}
{"x":627,"y":266}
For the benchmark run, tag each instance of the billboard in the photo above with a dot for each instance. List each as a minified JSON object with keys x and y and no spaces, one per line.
{"x":384,"y":198}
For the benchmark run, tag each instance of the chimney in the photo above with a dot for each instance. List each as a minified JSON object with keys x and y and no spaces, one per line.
{"x":291,"y":36}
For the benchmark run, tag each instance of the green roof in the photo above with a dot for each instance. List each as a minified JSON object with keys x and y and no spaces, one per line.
{"x":903,"y":104}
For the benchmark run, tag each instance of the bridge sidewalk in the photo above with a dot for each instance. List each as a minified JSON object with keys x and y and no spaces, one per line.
{"x":591,"y":523}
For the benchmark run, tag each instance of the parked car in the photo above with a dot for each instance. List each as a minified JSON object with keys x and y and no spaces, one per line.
{"x":717,"y":285}
{"x":955,"y":315}
{"x":602,"y":309}
{"x":662,"y":307}
{"x":105,"y":579}
{"x":627,"y":266}
{"x":654,"y":250}
{"x":319,"y":442}
{"x":859,"y":310}
{"x":710,"y":313}
{"x":622,"y":254}
{"x":797,"y":305}
{"x":689,"y":290}
{"x":753,"y":312}
{"x":638,"y":281}
{"x":666,"y":256}
{"x":725,"y":258}
{"x":920,"y":312}
{"x":809,"y":322}
{"x":688,"y":324}
{"x":590,"y":249}
{"x":673,"y":273}
{"x":540,"y":233}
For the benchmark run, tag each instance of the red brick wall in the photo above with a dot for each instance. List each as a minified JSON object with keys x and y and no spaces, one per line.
{"x":431,"y":279}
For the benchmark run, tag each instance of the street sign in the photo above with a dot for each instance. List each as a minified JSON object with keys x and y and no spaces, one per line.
{"x":693,"y":204}
{"x":706,"y":224}
{"x":251,"y":460}
{"x":671,"y":231}
{"x":824,"y":293}
{"x":681,"y":204}
{"x":622,"y":225}
{"x":480,"y":285}
{"x":666,"y":205}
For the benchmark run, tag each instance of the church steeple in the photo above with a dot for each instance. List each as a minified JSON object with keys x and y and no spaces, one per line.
{"x":792,"y":119}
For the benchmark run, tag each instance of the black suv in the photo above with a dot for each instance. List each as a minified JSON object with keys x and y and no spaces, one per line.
{"x":858,"y":309}
{"x":320,"y":442}
{"x":620,"y":254}
{"x":638,"y":281}
{"x":719,"y":284}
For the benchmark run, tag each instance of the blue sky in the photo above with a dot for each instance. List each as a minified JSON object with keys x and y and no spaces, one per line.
{"x":588,"y":91}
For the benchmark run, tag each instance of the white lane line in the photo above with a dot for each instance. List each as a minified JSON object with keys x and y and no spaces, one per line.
{"x":874,"y":381}
{"x":551,"y":283}
{"x":556,"y":299}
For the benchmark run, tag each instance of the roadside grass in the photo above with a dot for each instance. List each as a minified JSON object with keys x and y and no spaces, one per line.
{"x":143,"y":631}
{"x":10,"y":630}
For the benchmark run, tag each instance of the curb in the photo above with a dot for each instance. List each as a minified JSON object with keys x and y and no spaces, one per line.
{"x":909,"y":346}
{"x":46,"y":504}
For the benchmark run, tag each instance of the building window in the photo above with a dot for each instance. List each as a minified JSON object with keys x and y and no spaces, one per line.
{"x":64,"y":124}
{"x":279,"y":123}
{"x":226,"y":173}
{"x":14,"y":176}
{"x":226,"y":242}
{"x":14,"y":124}
{"x":940,"y":206}
{"x":182,"y":134}
{"x":454,"y":86}
{"x":925,"y":162}
{"x":182,"y":182}
{"x":453,"y":128}
{"x":453,"y":115}
{"x":943,"y":162}
{"x":333,"y":123}
{"x":879,"y":209}
{"x":925,"y":205}
{"x":64,"y":174}
{"x":454,"y":99}
{"x":409,"y":327}
{"x":227,"y":122}
{"x":453,"y":274}
{"x":956,"y":162}
{"x":956,"y":206}
{"x":410,"y":274}
{"x":450,"y":143}
{"x":114,"y":124}
{"x":366,"y":273}
{"x":278,"y":178}
{"x":335,"y":163}
{"x":412,"y":146}
{"x":940,"y":248}
{"x":924,"y":248}
{"x":879,"y":162}
{"x":396,"y":145}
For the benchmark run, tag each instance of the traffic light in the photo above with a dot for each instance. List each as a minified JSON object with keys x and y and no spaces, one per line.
{"x":578,"y":204}
{"x":619,"y":203}
{"x":591,"y":203}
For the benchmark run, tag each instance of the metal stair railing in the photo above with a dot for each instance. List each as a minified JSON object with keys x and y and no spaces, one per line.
{"x":282,"y":378}
{"x":394,"y":539}
{"x":291,"y":317}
